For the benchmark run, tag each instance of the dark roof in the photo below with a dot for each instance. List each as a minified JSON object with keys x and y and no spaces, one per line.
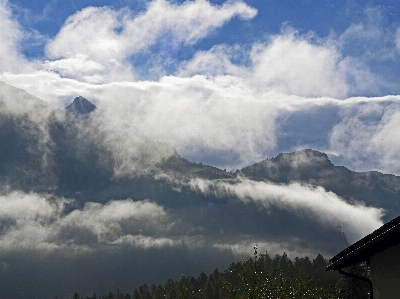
{"x":384,"y":237}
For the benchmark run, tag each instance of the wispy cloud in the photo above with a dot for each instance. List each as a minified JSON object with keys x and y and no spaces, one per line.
{"x":217,"y":61}
{"x":11,"y":34}
{"x":374,"y":32}
{"x":324,"y":207}
{"x":292,"y":247}
{"x":367,"y":133}
{"x":132,"y":153}
{"x":33,"y":221}
{"x":108,"y":37}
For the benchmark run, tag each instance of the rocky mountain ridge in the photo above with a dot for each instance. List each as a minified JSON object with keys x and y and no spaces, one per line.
{"x":314,"y":168}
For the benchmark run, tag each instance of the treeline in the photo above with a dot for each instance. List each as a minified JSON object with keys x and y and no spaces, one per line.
{"x":258,"y":277}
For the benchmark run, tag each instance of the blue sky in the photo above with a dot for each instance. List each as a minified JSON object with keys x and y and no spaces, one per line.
{"x":228,"y":83}
{"x":323,"y":18}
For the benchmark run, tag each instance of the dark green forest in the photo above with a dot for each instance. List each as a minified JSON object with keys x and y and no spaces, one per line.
{"x":258,"y":277}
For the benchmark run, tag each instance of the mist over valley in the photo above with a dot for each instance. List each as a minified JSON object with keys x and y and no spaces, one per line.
{"x":89,"y":203}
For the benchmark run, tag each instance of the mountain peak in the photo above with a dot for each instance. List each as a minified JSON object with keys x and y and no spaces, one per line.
{"x":306,"y":157}
{"x":80,"y":106}
{"x":297,"y":166}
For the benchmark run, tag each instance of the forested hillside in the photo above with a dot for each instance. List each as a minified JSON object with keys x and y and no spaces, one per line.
{"x":258,"y":277}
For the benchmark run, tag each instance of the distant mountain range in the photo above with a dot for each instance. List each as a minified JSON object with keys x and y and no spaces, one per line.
{"x":100,"y":195}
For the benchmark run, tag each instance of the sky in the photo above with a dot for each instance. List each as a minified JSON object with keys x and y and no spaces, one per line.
{"x":225,"y":83}
{"x":228,"y":83}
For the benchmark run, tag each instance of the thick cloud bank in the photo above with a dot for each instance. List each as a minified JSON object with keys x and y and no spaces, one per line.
{"x":228,"y":105}
{"x":225,"y":122}
{"x":94,"y":189}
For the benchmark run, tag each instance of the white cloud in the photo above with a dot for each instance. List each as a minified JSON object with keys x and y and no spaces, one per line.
{"x":189,"y":22}
{"x":11,"y":35}
{"x":370,"y":38}
{"x":26,"y":217}
{"x":18,"y":102}
{"x":33,"y":115}
{"x":35,"y":221}
{"x":370,"y":31}
{"x":215,"y":62}
{"x":79,"y":64}
{"x":296,"y":66}
{"x":366,"y":138}
{"x":221,"y":115}
{"x":370,"y":46}
{"x":292,"y":247}
{"x":232,"y":111}
{"x":146,"y":242}
{"x":387,"y":137}
{"x":88,"y":48}
{"x":109,"y":37}
{"x":116,"y":219}
{"x":194,"y":114}
{"x":89,"y":32}
{"x":50,"y":87}
{"x":287,"y":63}
{"x":132,"y":153}
{"x":325,"y":207}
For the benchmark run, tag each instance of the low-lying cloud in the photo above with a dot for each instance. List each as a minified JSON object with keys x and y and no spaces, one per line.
{"x":132,"y":153}
{"x":324,"y":207}
{"x":293,"y":247}
{"x":118,"y":144}
{"x":32,"y":221}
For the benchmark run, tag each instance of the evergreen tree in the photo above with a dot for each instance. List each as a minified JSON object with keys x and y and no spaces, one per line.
{"x":259,"y":277}
{"x":136,"y":294}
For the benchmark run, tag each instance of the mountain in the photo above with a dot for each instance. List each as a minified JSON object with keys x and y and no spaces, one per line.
{"x":82,"y":192}
{"x":80,"y":106}
{"x":315,"y":168}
